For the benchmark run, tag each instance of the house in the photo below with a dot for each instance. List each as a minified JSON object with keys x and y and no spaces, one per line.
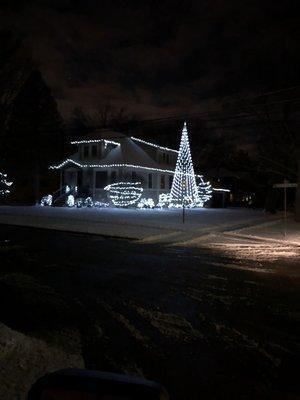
{"x":106,"y":157}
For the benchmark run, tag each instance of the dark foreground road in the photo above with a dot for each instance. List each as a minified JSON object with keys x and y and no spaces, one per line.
{"x":206,"y":324}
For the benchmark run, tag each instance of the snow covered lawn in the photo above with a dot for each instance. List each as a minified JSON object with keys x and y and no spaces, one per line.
{"x":130,"y":223}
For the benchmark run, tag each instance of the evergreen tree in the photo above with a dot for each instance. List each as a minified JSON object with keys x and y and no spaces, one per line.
{"x":31,"y":129}
{"x":35,"y":137}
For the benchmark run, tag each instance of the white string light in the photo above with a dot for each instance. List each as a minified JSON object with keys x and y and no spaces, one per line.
{"x":4,"y":183}
{"x":164,"y":200}
{"x":220,"y":190}
{"x":184,"y":172}
{"x":46,"y":200}
{"x":184,"y":191}
{"x":146,"y":203}
{"x":106,"y":142}
{"x":169,"y":171}
{"x":70,"y":200}
{"x":69,"y":160}
{"x":124,"y":194}
{"x":153,"y":145}
{"x":101,"y":204}
{"x":204,"y":193}
{"x":88,"y":202}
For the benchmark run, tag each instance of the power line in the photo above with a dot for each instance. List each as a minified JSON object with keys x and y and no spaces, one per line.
{"x":226,"y":115}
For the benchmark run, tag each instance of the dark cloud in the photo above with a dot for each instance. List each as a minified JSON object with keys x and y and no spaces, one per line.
{"x":160,"y":57}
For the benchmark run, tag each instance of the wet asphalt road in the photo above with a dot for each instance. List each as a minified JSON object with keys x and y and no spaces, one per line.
{"x":205,"y":323}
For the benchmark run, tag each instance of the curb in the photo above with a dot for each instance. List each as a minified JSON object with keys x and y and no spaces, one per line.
{"x":78,"y":232}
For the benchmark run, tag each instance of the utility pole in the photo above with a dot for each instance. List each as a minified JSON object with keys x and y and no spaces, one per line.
{"x":284,"y":204}
{"x":183,"y":199}
{"x":298,"y":194}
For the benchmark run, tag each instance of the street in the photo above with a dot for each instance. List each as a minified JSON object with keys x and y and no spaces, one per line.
{"x":210,"y":322}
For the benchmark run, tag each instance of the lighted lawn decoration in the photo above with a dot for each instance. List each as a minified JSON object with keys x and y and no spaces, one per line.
{"x":124,"y":194}
{"x":184,"y":191}
{"x":4,"y":184}
{"x":204,"y":192}
{"x":88,"y":202}
{"x":70,"y":200}
{"x":164,"y":200}
{"x":145,"y":203}
{"x":46,"y":200}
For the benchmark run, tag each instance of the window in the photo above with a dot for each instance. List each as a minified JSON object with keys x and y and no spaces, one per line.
{"x":168,"y":158}
{"x":101,"y":179}
{"x":133,"y":176}
{"x":113,"y":176}
{"x":150,"y":181}
{"x":170,"y":181}
{"x":85,"y":151}
{"x":94,"y":151}
{"x":164,"y":157}
{"x":162,"y":182}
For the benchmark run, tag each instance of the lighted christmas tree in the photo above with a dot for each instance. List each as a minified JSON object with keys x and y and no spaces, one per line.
{"x":184,"y":191}
{"x":204,"y":192}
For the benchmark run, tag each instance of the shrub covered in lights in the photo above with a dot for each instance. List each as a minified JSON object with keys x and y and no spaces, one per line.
{"x":84,"y":202}
{"x":4,"y":184}
{"x":79,"y":202}
{"x":164,"y":200}
{"x":101,"y":204}
{"x":124,"y":194}
{"x":204,"y":192}
{"x":88,"y":202}
{"x":145,"y":203}
{"x":46,"y":200}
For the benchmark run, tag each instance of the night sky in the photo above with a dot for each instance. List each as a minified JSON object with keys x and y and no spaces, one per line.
{"x":157,"y":58}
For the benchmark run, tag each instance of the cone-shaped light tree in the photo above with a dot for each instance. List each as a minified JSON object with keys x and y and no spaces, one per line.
{"x":184,"y":191}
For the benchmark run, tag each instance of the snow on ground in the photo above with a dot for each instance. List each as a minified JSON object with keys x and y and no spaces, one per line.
{"x":282,"y":230}
{"x":271,"y":240}
{"x":24,"y":359}
{"x":149,"y":225}
{"x":257,"y":251}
